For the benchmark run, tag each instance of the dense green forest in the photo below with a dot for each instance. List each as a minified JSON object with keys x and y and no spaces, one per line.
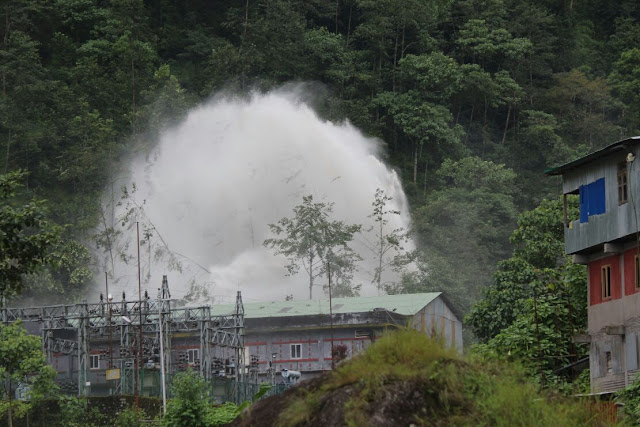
{"x":473,"y":99}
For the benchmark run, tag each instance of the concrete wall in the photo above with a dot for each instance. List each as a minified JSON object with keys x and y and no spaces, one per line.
{"x":315,"y":346}
{"x":619,"y":220}
{"x":613,"y":313}
{"x":614,"y":327}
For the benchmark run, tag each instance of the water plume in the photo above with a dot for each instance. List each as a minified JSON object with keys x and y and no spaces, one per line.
{"x":211,"y":186}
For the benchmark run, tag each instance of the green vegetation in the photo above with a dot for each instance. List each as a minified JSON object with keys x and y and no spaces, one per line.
{"x":536,"y":303}
{"x":26,"y":235}
{"x":22,"y":365}
{"x":131,"y":417}
{"x":472,"y":98}
{"x":408,"y":378}
{"x":190,"y":407}
{"x":509,"y":87}
{"x":629,"y":398}
{"x":320,"y":245}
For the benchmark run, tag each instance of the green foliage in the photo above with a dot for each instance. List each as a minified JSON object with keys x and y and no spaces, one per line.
{"x":222,"y":414}
{"x":463,"y":229}
{"x":75,"y":412}
{"x":455,"y":391}
{"x":385,"y":244}
{"x":26,"y":234}
{"x":629,"y":397}
{"x":315,"y":242}
{"x":189,"y":405}
{"x":23,"y":364}
{"x":130,"y":417}
{"x":443,"y":83}
{"x":537,"y":300}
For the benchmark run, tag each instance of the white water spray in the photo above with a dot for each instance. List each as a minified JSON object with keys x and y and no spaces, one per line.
{"x":214,"y":183}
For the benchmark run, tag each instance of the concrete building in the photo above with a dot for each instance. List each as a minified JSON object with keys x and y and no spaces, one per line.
{"x":298,"y":335}
{"x":605,"y":238}
{"x":94,"y":346}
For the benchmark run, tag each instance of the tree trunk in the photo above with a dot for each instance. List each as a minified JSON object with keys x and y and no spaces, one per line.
{"x":404,"y":25}
{"x":5,"y":44}
{"x":506,"y":125}
{"x":415,"y":162}
{"x":346,"y":44}
{"x":337,"y":10}
{"x":469,"y":126}
{"x":133,"y":96}
{"x":310,"y":276}
{"x":10,"y":414}
{"x":246,"y":18}
{"x":486,"y":109}
{"x":424,"y":183}
{"x":6,"y":159}
{"x":395,"y":62}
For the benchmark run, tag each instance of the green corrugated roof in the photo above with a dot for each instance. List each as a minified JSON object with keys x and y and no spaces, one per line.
{"x":406,"y":304}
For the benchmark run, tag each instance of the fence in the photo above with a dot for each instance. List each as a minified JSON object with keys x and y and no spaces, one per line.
{"x":219,"y":389}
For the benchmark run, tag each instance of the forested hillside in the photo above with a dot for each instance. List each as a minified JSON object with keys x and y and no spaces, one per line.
{"x":473,"y":100}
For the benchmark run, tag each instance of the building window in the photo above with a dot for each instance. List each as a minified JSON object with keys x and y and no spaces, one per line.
{"x":637,"y":264}
{"x":193,"y":355}
{"x":607,"y":356}
{"x":623,"y":192}
{"x":94,"y":361}
{"x":606,"y":282}
{"x":296,"y":351}
{"x":592,"y":199}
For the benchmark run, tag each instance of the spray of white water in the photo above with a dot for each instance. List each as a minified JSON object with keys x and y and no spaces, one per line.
{"x":214,"y":183}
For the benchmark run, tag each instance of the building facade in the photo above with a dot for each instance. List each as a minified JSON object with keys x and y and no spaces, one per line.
{"x":300,"y":335}
{"x":606,"y":238}
{"x":94,"y":346}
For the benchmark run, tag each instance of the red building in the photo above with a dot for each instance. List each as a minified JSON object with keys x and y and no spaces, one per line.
{"x":606,"y":238}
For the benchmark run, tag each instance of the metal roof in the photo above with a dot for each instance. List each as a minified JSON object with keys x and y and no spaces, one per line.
{"x":404,"y":304}
{"x":609,"y":149}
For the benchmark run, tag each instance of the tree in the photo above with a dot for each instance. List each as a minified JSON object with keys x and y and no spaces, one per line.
{"x":464,"y":229}
{"x":538,"y":298}
{"x":386,"y":245}
{"x":22,"y":363}
{"x":189,"y":406}
{"x":26,"y":234}
{"x":312,"y":240}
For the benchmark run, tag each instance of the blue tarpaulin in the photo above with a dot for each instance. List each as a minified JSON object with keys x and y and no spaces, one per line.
{"x":592,"y":199}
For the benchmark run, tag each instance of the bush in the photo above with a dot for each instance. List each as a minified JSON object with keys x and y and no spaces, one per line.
{"x":131,"y":417}
{"x":189,"y":406}
{"x":443,"y":386}
{"x":630,"y":399}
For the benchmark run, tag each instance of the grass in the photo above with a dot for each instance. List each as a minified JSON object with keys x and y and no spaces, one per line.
{"x":452,"y":390}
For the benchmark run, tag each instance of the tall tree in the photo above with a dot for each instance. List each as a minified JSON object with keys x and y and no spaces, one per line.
{"x":22,"y":363}
{"x":312,"y":240}
{"x":26,"y":234}
{"x":385,"y":244}
{"x":538,"y":298}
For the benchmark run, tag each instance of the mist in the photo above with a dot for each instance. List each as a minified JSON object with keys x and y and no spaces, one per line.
{"x":206,"y":193}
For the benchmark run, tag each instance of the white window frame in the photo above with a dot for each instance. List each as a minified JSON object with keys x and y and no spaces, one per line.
{"x":193,"y":355}
{"x":296,"y":351}
{"x":94,"y":361}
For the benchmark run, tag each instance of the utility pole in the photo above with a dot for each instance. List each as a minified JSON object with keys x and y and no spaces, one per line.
{"x":333,"y":363}
{"x":138,"y":360}
{"x":162,"y":373}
